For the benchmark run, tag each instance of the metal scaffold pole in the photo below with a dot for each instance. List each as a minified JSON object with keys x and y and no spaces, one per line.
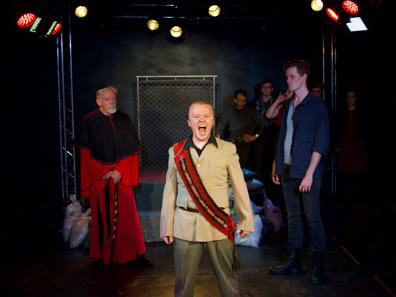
{"x":66,"y":109}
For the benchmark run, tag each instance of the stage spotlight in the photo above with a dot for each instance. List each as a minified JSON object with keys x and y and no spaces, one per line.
{"x":26,"y":20}
{"x":214,"y":10}
{"x":55,"y":28}
{"x":356,"y":24}
{"x":81,"y":11}
{"x":34,"y":27}
{"x":39,"y":25}
{"x":317,"y":5}
{"x":152,"y":24}
{"x":176,"y":31}
{"x":332,"y":14}
{"x":350,"y":7}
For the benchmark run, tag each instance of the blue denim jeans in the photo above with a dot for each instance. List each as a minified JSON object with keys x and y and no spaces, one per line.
{"x":309,"y":202}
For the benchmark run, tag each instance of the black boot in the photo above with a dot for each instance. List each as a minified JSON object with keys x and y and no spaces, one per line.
{"x":291,"y":266}
{"x":143,"y":260}
{"x":318,"y":276}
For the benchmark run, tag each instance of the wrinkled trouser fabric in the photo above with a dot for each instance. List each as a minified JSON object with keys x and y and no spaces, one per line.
{"x":309,"y":202}
{"x":187,"y":256}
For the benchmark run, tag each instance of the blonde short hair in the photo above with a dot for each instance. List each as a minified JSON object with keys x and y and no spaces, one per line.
{"x":202,"y":102}
{"x":99,"y":93}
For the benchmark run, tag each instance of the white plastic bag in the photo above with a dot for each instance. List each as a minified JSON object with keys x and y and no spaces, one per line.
{"x":253,"y":239}
{"x":273,"y":214}
{"x":79,"y":229}
{"x":72,"y":213}
{"x":73,"y":207}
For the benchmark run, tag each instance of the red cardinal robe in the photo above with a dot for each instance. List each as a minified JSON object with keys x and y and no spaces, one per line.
{"x":107,"y":143}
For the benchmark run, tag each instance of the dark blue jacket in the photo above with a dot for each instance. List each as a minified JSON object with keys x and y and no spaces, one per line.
{"x":310,"y":133}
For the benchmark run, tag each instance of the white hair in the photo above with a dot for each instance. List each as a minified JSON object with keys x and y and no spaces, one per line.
{"x":99,"y":93}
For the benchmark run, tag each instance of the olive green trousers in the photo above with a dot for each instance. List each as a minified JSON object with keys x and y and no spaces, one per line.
{"x":187,"y":256}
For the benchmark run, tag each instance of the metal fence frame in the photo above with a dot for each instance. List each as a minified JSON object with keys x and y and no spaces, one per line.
{"x":170,"y":78}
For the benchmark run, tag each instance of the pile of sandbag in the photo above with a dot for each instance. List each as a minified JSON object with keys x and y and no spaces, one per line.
{"x":76,"y":224}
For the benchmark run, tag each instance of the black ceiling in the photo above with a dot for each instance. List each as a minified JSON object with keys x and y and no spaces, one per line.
{"x":235,"y":15}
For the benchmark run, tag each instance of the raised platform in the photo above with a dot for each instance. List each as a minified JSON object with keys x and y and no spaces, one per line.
{"x":150,"y":222}
{"x":148,"y":195}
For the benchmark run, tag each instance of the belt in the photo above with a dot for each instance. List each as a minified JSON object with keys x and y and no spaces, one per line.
{"x":188,"y":209}
{"x":191,"y":209}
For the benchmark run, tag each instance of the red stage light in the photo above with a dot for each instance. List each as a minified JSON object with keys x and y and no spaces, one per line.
{"x":57,"y":28}
{"x":26,"y":20}
{"x":332,"y":14}
{"x":350,"y":7}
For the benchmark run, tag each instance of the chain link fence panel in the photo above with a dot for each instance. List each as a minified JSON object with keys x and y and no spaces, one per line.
{"x":162,"y":112}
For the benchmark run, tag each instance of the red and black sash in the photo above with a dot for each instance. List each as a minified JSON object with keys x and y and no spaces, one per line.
{"x":216,"y":216}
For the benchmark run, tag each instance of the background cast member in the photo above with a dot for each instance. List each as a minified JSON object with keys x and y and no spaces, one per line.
{"x":303,"y":141}
{"x":243,"y":124}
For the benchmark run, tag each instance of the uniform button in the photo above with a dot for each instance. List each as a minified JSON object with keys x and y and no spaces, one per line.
{"x":199,"y":165}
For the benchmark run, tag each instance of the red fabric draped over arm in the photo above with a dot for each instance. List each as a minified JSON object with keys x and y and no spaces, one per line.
{"x":93,"y":170}
{"x":129,"y":169}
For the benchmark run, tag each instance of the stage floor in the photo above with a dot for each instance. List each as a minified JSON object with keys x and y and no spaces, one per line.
{"x":69,"y":273}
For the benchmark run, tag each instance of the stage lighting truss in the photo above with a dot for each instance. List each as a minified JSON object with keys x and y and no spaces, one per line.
{"x":43,"y":27}
{"x":340,"y":16}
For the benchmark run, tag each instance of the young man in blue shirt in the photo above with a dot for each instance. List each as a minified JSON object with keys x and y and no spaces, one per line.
{"x":303,"y":142}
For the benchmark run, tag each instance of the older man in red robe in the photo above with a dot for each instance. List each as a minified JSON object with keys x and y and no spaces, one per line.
{"x":109,"y":153}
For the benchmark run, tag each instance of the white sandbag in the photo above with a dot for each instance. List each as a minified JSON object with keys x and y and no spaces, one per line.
{"x":273,"y":214}
{"x":73,"y":207}
{"x":253,"y":239}
{"x":79,"y":229}
{"x":72,"y":213}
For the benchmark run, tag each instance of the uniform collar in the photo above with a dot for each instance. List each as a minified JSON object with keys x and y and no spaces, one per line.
{"x":190,"y":143}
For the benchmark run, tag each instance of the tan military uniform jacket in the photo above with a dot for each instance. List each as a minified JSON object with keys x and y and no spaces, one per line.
{"x":215,"y":166}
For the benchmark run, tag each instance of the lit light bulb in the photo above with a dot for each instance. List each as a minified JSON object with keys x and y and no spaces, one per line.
{"x":81,"y":11}
{"x":152,"y":24}
{"x":176,"y":31}
{"x":214,"y":10}
{"x":317,"y":5}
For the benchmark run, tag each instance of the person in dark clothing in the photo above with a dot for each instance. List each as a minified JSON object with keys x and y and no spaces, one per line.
{"x":303,"y":141}
{"x":264,"y":99}
{"x":352,"y":167}
{"x":316,"y":89}
{"x":264,"y":146}
{"x":243,"y":125}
